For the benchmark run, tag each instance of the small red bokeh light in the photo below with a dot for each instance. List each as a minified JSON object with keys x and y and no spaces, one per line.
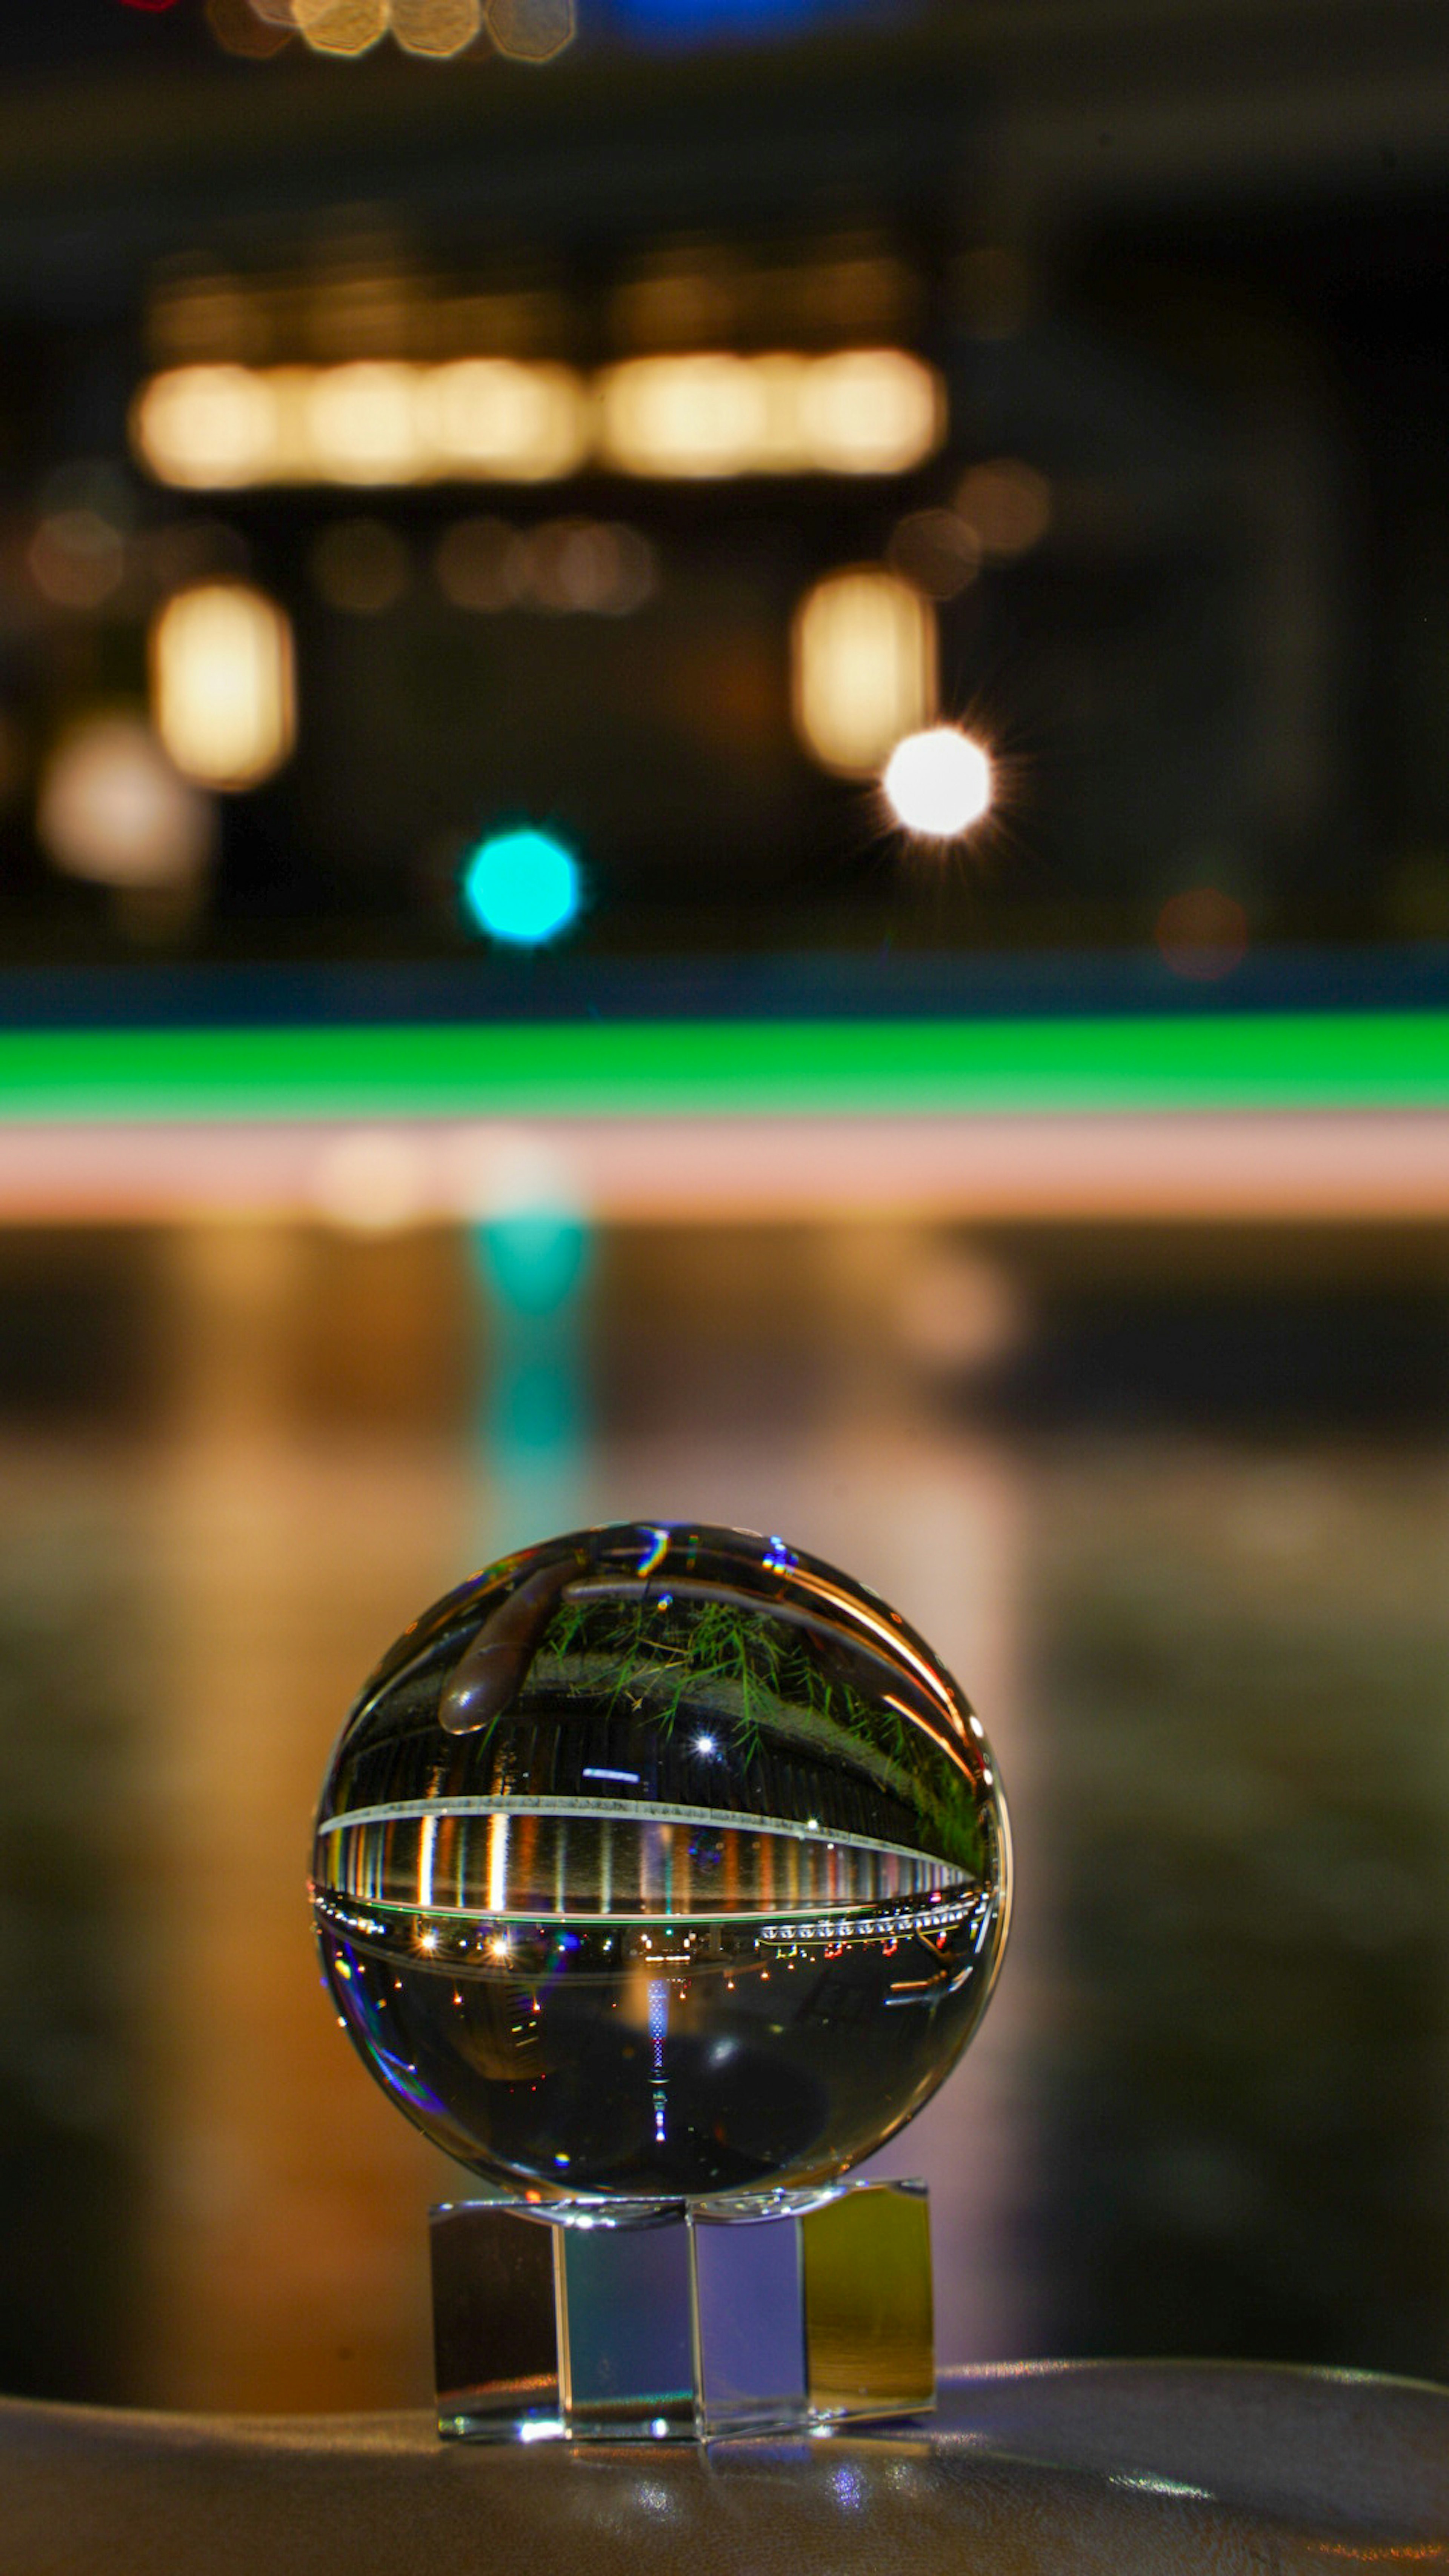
{"x":1202,"y":934}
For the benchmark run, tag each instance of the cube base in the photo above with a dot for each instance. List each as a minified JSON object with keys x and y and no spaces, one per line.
{"x":682,"y":2320}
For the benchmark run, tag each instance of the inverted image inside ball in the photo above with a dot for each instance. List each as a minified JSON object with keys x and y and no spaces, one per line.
{"x":661,"y":1861}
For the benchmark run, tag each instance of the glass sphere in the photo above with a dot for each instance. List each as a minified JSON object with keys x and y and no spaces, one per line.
{"x":660,"y":1861}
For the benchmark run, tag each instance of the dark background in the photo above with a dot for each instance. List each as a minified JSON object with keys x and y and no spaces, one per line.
{"x":1172,"y":1496}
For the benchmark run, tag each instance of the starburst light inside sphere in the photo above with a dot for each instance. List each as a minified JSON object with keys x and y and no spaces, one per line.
{"x":660,"y":1861}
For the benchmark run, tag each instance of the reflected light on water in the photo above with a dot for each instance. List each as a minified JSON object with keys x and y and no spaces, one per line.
{"x":373,"y":1180}
{"x":864,"y":668}
{"x":222,"y":685}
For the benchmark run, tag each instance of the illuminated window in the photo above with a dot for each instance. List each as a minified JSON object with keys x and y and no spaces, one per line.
{"x":693,"y":416}
{"x":864,"y":656}
{"x":871,"y":411}
{"x":494,"y":418}
{"x":863,"y":411}
{"x":362,"y":424}
{"x":708,"y":413}
{"x":205,"y":428}
{"x":221,"y":684}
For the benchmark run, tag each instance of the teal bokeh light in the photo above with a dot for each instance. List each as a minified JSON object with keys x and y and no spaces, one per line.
{"x":522,"y":886}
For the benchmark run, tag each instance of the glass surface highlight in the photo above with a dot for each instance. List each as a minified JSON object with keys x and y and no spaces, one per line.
{"x":658,"y":1861}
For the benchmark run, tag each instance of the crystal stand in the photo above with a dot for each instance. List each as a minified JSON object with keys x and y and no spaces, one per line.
{"x":687,"y":2319}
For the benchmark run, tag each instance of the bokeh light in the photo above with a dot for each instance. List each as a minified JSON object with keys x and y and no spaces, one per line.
{"x":532,"y":31}
{"x":871,"y":411}
{"x":113,"y":809}
{"x":348,"y":27}
{"x":361,"y":566}
{"x":704,"y":414}
{"x":936,"y":550}
{"x":77,"y":558}
{"x":477,"y":563}
{"x":206,"y":428}
{"x":522,"y":887}
{"x":362,"y":423}
{"x":938,"y":782}
{"x":958,"y":1310}
{"x":1202,"y":934}
{"x":864,"y":668}
{"x":221,"y":684}
{"x":712,"y":413}
{"x":698,"y":416}
{"x":1007,"y":504}
{"x":437,"y":29}
{"x":371,"y":1180}
{"x":241,"y":28}
{"x":585,"y":566}
{"x":492,"y":417}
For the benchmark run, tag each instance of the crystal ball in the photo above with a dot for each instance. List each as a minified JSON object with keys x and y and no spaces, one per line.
{"x":660,"y":1861}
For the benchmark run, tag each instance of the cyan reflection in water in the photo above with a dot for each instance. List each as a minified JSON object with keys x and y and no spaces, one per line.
{"x":533,"y":1260}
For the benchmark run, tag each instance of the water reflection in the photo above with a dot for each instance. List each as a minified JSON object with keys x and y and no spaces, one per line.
{"x":1246,"y":2123}
{"x":1204,"y":1615}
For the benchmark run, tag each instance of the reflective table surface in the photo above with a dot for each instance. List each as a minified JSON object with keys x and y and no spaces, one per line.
{"x":1034,"y":2467}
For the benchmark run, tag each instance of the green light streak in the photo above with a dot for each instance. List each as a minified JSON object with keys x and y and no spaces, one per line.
{"x":762,"y":1068}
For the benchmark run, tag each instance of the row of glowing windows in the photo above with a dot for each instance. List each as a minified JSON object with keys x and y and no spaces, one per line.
{"x":379,"y":422}
{"x":864,"y":666}
{"x":121,"y":807}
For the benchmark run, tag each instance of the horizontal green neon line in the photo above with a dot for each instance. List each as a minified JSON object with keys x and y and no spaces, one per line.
{"x":1272,"y":1060}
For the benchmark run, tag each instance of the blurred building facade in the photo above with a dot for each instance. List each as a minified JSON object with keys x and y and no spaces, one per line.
{"x":535,"y":399}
